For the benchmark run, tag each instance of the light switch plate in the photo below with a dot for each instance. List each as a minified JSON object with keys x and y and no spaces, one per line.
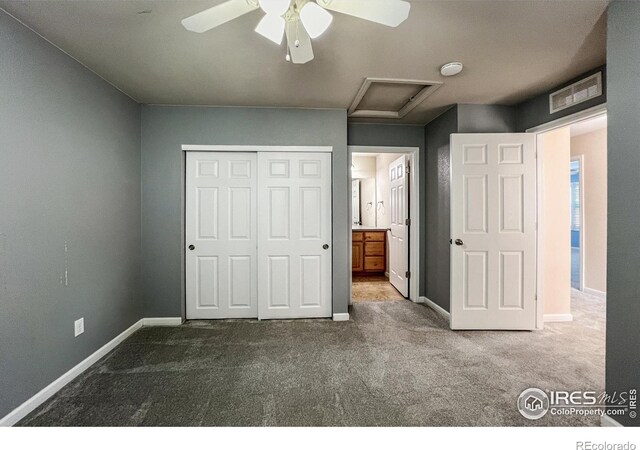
{"x":78,"y":326}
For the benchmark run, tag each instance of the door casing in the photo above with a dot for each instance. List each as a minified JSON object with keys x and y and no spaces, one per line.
{"x":589,"y":113}
{"x":414,"y":212}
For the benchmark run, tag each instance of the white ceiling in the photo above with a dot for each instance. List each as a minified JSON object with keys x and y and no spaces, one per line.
{"x":511,"y":50}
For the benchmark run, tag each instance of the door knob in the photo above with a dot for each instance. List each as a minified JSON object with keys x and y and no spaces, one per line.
{"x":325,"y":246}
{"x":459,"y":242}
{"x":192,"y":247}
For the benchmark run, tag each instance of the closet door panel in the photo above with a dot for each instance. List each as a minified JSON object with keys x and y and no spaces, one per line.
{"x":294,"y":235}
{"x":221,"y":235}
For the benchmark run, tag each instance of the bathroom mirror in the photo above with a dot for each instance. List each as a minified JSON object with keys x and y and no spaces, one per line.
{"x":363,"y":201}
{"x":355,"y":202}
{"x":368,"y":202}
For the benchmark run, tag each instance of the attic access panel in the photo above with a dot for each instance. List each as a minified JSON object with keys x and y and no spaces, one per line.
{"x":390,"y":98}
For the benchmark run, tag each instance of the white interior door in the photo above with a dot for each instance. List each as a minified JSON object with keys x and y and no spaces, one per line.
{"x":294,"y":254}
{"x":398,"y":239}
{"x":493,"y":220}
{"x":221,"y":235}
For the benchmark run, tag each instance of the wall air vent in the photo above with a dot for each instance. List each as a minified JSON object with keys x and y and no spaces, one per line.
{"x":578,"y":92}
{"x":388,"y":98}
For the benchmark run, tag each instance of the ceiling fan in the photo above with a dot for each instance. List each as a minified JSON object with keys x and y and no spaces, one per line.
{"x":299,"y":20}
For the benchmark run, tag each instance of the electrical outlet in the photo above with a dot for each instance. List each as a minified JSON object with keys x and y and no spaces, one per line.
{"x":78,"y":326}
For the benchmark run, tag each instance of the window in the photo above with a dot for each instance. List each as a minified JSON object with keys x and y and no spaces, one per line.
{"x":575,"y":195}
{"x":575,"y":205}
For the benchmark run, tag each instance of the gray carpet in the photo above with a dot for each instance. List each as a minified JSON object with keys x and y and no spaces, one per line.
{"x":394,"y":364}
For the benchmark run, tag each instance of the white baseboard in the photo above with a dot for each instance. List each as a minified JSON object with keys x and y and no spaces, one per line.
{"x":437,"y":308}
{"x":558,"y":318}
{"x":21,"y":411}
{"x":162,"y":321}
{"x":595,"y":293}
{"x":420,"y":299}
{"x":341,"y":317}
{"x":606,"y":421}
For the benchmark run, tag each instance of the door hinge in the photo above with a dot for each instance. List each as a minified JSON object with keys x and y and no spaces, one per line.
{"x":407,"y":275}
{"x":407,"y":222}
{"x":408,"y":167}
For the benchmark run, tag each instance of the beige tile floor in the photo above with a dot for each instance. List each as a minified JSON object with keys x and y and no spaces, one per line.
{"x":373,"y":289}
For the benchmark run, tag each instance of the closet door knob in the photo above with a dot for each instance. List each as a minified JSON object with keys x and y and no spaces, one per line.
{"x":192,"y":247}
{"x":325,"y":246}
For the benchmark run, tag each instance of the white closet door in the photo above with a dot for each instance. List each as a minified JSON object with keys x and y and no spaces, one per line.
{"x":398,"y":239}
{"x":294,"y":236}
{"x":221,"y":235}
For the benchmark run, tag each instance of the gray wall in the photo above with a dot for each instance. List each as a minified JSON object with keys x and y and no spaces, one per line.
{"x":69,"y":171}
{"x":399,"y":136}
{"x":623,"y":252}
{"x":535,"y":111}
{"x":165,"y":129}
{"x":437,"y":135}
{"x":462,"y":118}
{"x":486,"y":118}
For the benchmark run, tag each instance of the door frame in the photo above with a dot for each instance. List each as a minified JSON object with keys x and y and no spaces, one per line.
{"x":589,"y":113}
{"x":243,"y":149}
{"x":414,"y":211}
{"x":580,"y":159}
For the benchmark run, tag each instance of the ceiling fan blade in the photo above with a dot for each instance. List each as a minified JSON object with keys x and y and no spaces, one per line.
{"x":219,"y":14}
{"x":386,"y":12}
{"x":303,"y":52}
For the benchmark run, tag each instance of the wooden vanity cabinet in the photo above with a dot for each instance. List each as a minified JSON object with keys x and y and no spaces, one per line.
{"x":369,"y":251}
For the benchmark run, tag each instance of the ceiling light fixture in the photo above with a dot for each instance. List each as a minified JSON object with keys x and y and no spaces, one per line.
{"x":300,"y":20}
{"x":451,"y":69}
{"x":386,"y":12}
{"x":275,"y":7}
{"x":315,"y":19}
{"x":271,"y":27}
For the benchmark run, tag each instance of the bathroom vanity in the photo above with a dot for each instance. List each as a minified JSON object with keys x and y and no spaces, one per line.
{"x":369,"y":249}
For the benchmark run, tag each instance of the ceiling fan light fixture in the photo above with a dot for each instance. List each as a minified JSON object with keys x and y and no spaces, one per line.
{"x":275,"y":7}
{"x":299,"y":20}
{"x":271,"y":27}
{"x":386,"y":12}
{"x":315,"y":19}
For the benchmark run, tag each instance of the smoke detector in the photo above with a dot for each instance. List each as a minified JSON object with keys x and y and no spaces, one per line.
{"x":451,"y":69}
